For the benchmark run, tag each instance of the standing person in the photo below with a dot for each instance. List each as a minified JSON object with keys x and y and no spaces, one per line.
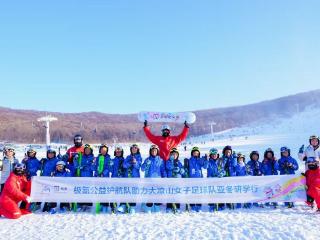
{"x":6,"y":165}
{"x":254,"y":169}
{"x":166,"y":142}
{"x":196,"y":163}
{"x":117,"y":171}
{"x":242,"y":169}
{"x":287,"y":166}
{"x":48,"y":164}
{"x":131,"y":167}
{"x":174,"y":169}
{"x":154,"y":167}
{"x":75,"y":151}
{"x":230,"y":159}
{"x":32,"y":163}
{"x":312,"y":150}
{"x":313,"y":182}
{"x":16,"y":189}
{"x":102,"y":169}
{"x":216,"y":169}
{"x":84,"y":167}
{"x":269,"y":166}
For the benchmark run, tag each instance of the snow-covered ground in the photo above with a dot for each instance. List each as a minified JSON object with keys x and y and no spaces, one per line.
{"x":257,"y":223}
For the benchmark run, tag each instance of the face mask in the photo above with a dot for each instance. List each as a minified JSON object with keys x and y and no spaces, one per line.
{"x":312,"y":166}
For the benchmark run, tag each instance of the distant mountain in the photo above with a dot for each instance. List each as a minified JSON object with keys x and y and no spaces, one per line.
{"x":22,"y":125}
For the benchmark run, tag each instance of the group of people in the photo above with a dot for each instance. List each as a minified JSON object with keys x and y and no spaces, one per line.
{"x":163,"y":162}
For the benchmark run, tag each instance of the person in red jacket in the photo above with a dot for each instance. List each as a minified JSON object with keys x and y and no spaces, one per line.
{"x":166,"y":142}
{"x":313,"y":181}
{"x":74,"y":152}
{"x":16,"y":189}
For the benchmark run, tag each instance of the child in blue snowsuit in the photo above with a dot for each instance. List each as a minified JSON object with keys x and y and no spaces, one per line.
{"x":254,"y":168}
{"x":32,"y":163}
{"x":48,"y":165}
{"x":174,"y":169}
{"x":269,"y":166}
{"x":230,"y":159}
{"x":216,"y":169}
{"x":59,"y":171}
{"x":131,"y":167}
{"x":287,"y":166}
{"x":154,"y":167}
{"x":242,"y":169}
{"x":102,"y":169}
{"x":196,"y":163}
{"x":84,"y":166}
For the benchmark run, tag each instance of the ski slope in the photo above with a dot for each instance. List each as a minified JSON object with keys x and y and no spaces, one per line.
{"x":257,"y":223}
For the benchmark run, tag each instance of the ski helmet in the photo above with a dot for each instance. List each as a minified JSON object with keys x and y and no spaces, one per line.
{"x":118,"y":149}
{"x":103,"y":146}
{"x":165,"y":127}
{"x":174,"y":150}
{"x":61,"y":163}
{"x":8,"y":149}
{"x":312,"y":163}
{"x":314,"y":137}
{"x":226,"y":148}
{"x":240,"y":155}
{"x":195,"y":149}
{"x":78,"y":140}
{"x":213,"y":151}
{"x":154,"y":147}
{"x":254,"y":153}
{"x":19,"y":169}
{"x":135,"y":146}
{"x":50,"y":150}
{"x":31,"y":150}
{"x":88,"y":146}
{"x":268,"y":150}
{"x":285,"y":149}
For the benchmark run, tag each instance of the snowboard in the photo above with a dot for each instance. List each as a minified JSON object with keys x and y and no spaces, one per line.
{"x":170,"y":117}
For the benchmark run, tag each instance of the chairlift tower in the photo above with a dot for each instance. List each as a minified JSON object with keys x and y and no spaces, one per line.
{"x":47,"y":119}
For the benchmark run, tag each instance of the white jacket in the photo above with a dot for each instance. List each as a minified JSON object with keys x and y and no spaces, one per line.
{"x":7,"y":167}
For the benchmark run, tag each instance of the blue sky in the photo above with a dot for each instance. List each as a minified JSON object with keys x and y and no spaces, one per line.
{"x":128,"y":56}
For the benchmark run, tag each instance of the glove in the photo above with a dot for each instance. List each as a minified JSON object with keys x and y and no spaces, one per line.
{"x":186,"y":124}
{"x":28,"y":199}
{"x":176,"y":169}
{"x":145,"y":123}
{"x":206,"y":156}
{"x":301,"y":149}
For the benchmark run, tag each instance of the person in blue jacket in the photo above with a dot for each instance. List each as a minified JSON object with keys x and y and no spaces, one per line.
{"x":216,"y":169}
{"x":154,"y":167}
{"x":242,"y":169}
{"x":48,"y":165}
{"x":287,"y":166}
{"x":59,"y":171}
{"x":269,"y":166}
{"x":230,"y":158}
{"x":131,"y":169}
{"x":254,"y":165}
{"x":102,"y":169}
{"x":175,"y":169}
{"x":254,"y":169}
{"x":196,"y":164}
{"x":116,"y":164}
{"x":32,"y":163}
{"x":84,"y":166}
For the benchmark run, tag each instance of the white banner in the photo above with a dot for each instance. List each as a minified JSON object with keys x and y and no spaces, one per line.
{"x":285,"y":188}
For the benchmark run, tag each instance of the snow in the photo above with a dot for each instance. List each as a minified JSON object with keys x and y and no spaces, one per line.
{"x":300,"y":222}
